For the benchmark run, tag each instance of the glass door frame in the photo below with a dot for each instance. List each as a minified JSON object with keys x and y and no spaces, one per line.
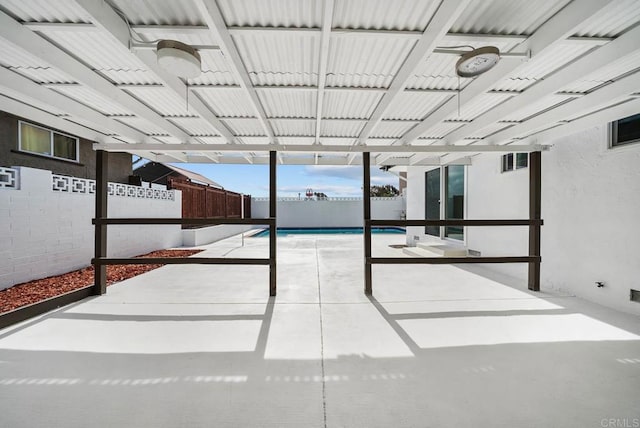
{"x":443,"y":202}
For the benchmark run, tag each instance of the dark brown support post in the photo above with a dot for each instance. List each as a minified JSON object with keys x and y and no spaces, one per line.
{"x":100,"y":240}
{"x":535,"y":204}
{"x":272,"y":225}
{"x":366,"y":195}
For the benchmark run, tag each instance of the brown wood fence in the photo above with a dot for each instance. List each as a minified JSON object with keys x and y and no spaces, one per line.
{"x":200,"y":201}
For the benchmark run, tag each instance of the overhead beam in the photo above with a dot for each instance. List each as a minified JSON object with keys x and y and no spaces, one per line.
{"x":327,"y":17}
{"x":13,"y":32}
{"x":314,"y":148}
{"x":21,"y":109}
{"x":203,"y":30}
{"x":111,"y":24}
{"x":60,"y":102}
{"x":616,"y":91}
{"x":550,"y":34}
{"x":440,"y":23}
{"x":211,"y":14}
{"x":627,"y":44}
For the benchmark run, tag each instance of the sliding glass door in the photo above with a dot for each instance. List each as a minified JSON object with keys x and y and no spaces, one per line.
{"x":432,"y":198}
{"x":449,"y":180}
{"x":454,"y":179}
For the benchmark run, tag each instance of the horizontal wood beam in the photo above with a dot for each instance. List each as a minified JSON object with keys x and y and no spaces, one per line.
{"x":243,"y":148}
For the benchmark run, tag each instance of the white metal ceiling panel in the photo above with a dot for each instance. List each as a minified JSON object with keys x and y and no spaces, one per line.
{"x":293,"y":128}
{"x":469,"y":110}
{"x":415,"y":105}
{"x":160,"y":12}
{"x":384,"y":14}
{"x":551,"y":60}
{"x":17,"y":95}
{"x":44,"y":75}
{"x":162,"y":100}
{"x":490,"y":129}
{"x":297,"y":140}
{"x":131,"y":77}
{"x":288,"y":103}
{"x":366,"y":62}
{"x":441,"y":130}
{"x":280,"y":59}
{"x":511,"y":84}
{"x":226,"y":102}
{"x":390,"y":129}
{"x":620,"y":16}
{"x":195,"y":126}
{"x":45,"y":11}
{"x":350,"y":104}
{"x":142,"y":125}
{"x":506,"y":16}
{"x":245,"y":127}
{"x":93,"y":99}
{"x":272,"y":13}
{"x":13,"y":56}
{"x":341,"y":128}
{"x":215,"y":70}
{"x":96,"y":49}
{"x":537,"y":107}
{"x":608,"y":73}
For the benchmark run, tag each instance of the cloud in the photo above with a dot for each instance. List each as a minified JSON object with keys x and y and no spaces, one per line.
{"x":334,"y":171}
{"x":351,"y":173}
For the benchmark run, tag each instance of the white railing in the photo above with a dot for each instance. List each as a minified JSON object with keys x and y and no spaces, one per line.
{"x":9,"y":178}
{"x":66,"y":184}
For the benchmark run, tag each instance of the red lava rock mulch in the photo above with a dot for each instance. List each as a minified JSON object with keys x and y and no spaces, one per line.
{"x":41,"y":289}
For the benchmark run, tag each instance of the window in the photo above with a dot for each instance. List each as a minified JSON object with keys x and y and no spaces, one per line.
{"x":513,"y":161}
{"x":42,"y":141}
{"x":625,"y":131}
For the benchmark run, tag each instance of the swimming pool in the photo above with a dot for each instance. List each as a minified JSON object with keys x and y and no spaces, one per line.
{"x":284,"y":231}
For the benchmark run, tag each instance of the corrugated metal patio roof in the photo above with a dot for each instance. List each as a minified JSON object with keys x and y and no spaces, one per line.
{"x":349,"y":74}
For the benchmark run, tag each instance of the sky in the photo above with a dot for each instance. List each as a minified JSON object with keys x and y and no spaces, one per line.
{"x":334,"y":181}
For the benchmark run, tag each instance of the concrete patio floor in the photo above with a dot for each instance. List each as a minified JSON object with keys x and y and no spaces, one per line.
{"x":437,"y":346}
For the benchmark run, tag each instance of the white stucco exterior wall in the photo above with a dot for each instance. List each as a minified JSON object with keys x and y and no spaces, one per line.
{"x":590,"y":206}
{"x":328,"y":213}
{"x":46,"y":233}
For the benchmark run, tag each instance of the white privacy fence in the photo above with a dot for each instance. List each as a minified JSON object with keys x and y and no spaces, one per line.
{"x":328,"y":212}
{"x":46,"y":228}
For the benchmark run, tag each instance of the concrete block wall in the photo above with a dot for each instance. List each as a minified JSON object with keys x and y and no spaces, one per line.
{"x":45,"y":232}
{"x":333,"y":212}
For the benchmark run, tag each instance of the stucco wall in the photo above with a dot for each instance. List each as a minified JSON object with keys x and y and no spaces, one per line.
{"x":119,"y":163}
{"x":328,"y":213}
{"x":46,"y":233}
{"x":591,"y":210}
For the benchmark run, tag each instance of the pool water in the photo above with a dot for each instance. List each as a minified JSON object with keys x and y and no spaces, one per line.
{"x":284,"y":231}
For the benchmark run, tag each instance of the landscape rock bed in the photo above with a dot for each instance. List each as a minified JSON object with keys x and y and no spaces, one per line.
{"x":40,"y":289}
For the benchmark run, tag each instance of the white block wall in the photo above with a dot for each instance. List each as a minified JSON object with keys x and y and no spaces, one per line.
{"x":207,"y":235}
{"x":328,"y":213}
{"x":46,"y":233}
{"x":591,"y":212}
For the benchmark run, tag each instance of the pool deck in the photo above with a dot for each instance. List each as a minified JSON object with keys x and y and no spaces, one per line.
{"x":437,"y":346}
